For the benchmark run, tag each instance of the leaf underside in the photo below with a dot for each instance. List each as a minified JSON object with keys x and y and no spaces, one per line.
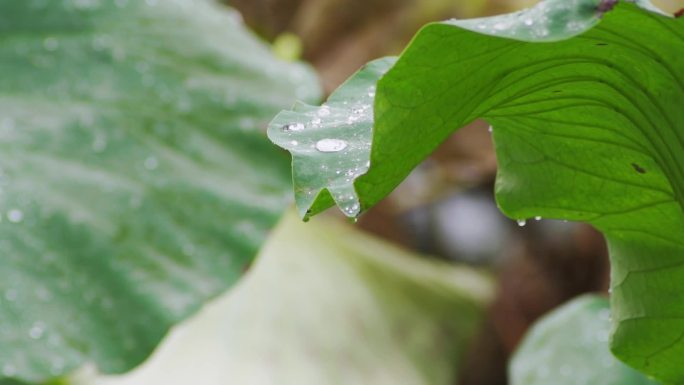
{"x":588,"y":125}
{"x":136,"y":179}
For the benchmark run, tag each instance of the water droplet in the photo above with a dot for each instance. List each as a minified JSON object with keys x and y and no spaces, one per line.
{"x":37,"y":330}
{"x":490,"y":128}
{"x":151,"y":163}
{"x":293,"y":127}
{"x":316,"y":121}
{"x":529,"y":22}
{"x":521,"y":222}
{"x":324,"y":111}
{"x":51,"y":43}
{"x":331,"y":145}
{"x":294,"y":142}
{"x":371,"y":92}
{"x":538,"y":218}
{"x":15,"y":216}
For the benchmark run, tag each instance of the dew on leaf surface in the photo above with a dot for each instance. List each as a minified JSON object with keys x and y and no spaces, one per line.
{"x":293,"y":127}
{"x":331,"y":145}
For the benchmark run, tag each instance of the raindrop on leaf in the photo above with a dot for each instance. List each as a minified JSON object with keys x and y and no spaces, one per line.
{"x":331,"y":145}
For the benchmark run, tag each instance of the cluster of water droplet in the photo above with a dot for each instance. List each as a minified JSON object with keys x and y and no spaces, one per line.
{"x":548,"y":20}
{"x":340,"y":128}
{"x":523,"y":222}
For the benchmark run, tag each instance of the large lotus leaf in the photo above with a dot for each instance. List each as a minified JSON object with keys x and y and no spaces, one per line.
{"x":137,"y":181}
{"x":570,"y":346}
{"x":585,"y":101}
{"x":325,"y":304}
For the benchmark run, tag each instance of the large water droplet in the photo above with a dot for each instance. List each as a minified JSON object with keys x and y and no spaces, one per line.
{"x":331,"y":145}
{"x":521,"y":222}
{"x":538,"y":218}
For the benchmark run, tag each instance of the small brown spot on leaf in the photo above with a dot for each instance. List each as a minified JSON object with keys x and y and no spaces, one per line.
{"x":679,"y":13}
{"x":605,"y":6}
{"x":638,"y":168}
